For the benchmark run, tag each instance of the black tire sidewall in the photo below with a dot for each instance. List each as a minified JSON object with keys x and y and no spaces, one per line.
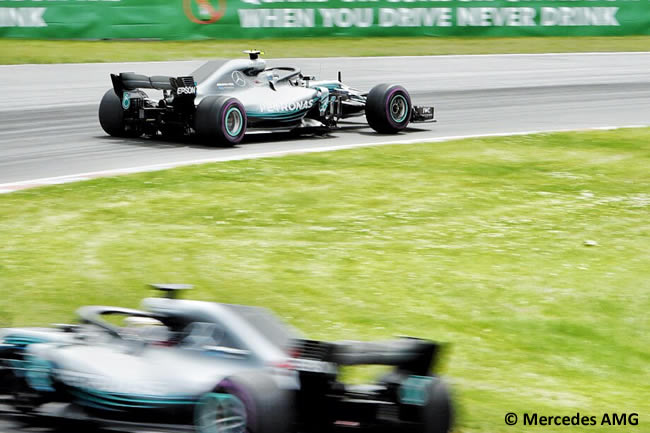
{"x":438,"y":413}
{"x":111,"y":116}
{"x":202,"y":117}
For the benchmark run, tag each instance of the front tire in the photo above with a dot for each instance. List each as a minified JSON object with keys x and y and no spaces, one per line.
{"x":111,"y":117}
{"x":388,"y":108}
{"x":221,"y":120}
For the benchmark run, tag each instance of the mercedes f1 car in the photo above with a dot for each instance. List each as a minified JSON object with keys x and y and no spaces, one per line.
{"x":203,"y":367}
{"x":221,"y":101}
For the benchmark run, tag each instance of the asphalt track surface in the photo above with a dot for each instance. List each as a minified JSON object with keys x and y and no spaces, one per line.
{"x":49,"y":132}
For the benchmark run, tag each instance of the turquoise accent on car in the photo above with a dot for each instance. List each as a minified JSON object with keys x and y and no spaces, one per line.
{"x":90,"y":401}
{"x":126,"y":100}
{"x":19,"y":340}
{"x":272,"y":114}
{"x":403,"y":101}
{"x":220,"y":413}
{"x":276,"y":116}
{"x":114,"y":400}
{"x":18,"y":367}
{"x":241,"y":121}
{"x":414,"y":390}
{"x":20,"y":343}
{"x":38,"y":375}
{"x":328,"y":86}
{"x":87,"y":403}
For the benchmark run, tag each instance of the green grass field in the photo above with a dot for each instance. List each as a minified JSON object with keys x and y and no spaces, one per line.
{"x":34,"y":51}
{"x":479,"y":243}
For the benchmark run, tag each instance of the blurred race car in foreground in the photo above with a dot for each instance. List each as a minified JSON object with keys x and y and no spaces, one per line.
{"x":223,"y":100}
{"x":203,"y":367}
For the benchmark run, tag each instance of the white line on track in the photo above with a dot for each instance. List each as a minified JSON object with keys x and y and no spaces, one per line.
{"x":15,"y":186}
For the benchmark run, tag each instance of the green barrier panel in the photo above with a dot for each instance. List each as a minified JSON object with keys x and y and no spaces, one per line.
{"x":231,"y":19}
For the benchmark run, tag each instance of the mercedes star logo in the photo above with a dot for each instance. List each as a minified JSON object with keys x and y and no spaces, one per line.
{"x":238,"y":79}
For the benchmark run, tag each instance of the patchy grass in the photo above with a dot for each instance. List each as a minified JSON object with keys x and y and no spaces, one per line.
{"x":480,"y":243}
{"x":13,"y":51}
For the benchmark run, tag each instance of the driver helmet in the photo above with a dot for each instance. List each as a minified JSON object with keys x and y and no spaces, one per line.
{"x":148,"y":328}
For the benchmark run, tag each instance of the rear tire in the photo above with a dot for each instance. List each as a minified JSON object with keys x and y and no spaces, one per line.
{"x":220,"y":413}
{"x":111,"y":116}
{"x":438,"y":413}
{"x":388,"y":108}
{"x":220,"y":120}
{"x":269,"y":409}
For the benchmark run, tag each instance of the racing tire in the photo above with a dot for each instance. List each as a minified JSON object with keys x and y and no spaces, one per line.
{"x":111,"y":117}
{"x":267,"y":408}
{"x":220,"y":120}
{"x":438,"y":412}
{"x":388,"y":108}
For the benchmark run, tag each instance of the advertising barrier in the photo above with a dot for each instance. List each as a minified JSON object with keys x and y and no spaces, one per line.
{"x":231,"y":19}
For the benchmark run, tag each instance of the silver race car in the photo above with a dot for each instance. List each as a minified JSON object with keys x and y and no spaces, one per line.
{"x":182,"y":365}
{"x":222,"y":100}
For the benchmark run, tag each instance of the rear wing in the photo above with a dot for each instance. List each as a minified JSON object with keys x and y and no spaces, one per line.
{"x":181,"y":88}
{"x":412,"y":355}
